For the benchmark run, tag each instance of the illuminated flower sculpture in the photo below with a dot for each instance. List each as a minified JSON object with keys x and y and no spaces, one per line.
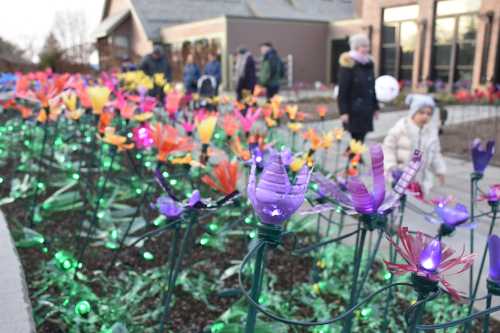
{"x":172,"y":209}
{"x":493,"y":195}
{"x":450,"y":217}
{"x":143,"y":136}
{"x":357,"y":198}
{"x":248,"y":119}
{"x":226,"y":177}
{"x":427,"y":258}
{"x":481,"y":156}
{"x":273,"y":197}
{"x":167,"y":140}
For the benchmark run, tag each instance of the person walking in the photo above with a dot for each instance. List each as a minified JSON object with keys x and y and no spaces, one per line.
{"x":419,"y":130}
{"x":356,"y":98}
{"x":191,"y":74}
{"x":244,"y":72}
{"x":155,"y":63}
{"x":213,"y":69}
{"x":271,"y":70}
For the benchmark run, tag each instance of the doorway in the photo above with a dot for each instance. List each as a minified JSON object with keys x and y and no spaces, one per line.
{"x":339,"y":46}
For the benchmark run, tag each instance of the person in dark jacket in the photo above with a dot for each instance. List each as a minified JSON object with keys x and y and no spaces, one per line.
{"x":213,"y":68}
{"x":356,"y":100}
{"x":155,"y":63}
{"x":244,"y":72}
{"x":271,"y":70}
{"x":191,"y":75}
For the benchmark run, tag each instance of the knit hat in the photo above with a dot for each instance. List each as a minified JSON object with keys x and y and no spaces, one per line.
{"x":419,"y":101}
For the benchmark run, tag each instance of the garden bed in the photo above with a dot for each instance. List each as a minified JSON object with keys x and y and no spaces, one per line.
{"x":456,"y":139}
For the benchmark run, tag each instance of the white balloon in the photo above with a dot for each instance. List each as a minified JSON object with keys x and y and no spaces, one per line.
{"x":386,"y":88}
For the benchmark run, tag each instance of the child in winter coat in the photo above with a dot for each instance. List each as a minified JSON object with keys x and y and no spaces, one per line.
{"x":416,"y":131}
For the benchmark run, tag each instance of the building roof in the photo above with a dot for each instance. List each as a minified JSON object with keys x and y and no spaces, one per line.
{"x":155,"y":14}
{"x":110,"y":23}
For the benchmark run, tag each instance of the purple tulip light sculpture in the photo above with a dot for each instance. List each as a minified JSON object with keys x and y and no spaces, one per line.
{"x":357,"y":198}
{"x":481,"y":156}
{"x":273,"y":197}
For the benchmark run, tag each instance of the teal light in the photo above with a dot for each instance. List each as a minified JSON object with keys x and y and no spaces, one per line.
{"x":148,"y":256}
{"x":252,"y":234}
{"x":204,"y":240}
{"x":82,"y":308}
{"x":165,"y":174}
{"x":75,"y":176}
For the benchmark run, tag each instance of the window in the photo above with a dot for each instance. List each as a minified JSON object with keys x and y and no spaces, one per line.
{"x":454,"y":41}
{"x":399,"y":38}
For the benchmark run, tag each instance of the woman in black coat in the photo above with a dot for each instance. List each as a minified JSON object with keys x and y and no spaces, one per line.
{"x":245,"y":73}
{"x":356,"y":100}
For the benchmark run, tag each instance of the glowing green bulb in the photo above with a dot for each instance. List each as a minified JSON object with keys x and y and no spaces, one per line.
{"x":315,"y":187}
{"x":45,"y":250}
{"x":366,"y":312}
{"x":130,"y":135}
{"x":147,"y":164}
{"x":82,"y":308}
{"x":252,"y":234}
{"x":213,"y":227}
{"x":248,"y":220}
{"x":148,"y":256}
{"x":138,"y":190}
{"x":217,"y":327}
{"x":159,"y":220}
{"x":387,"y":275}
{"x":75,"y":176}
{"x":113,"y":234}
{"x":1,"y":180}
{"x":173,"y":182}
{"x":204,"y":240}
{"x":217,"y":136}
{"x":66,"y":264}
{"x":88,"y":139}
{"x":165,"y":174}
{"x":100,"y":215}
{"x":40,"y":185}
{"x":138,"y":156}
{"x":338,"y":210}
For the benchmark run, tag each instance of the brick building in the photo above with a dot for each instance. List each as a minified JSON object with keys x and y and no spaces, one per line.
{"x":454,"y":42}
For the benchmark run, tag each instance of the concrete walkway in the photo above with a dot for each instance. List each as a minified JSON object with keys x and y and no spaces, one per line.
{"x":15,"y":306}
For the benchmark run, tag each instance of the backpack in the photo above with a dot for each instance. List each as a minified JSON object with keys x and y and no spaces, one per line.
{"x":207,"y":86}
{"x":278,"y":68}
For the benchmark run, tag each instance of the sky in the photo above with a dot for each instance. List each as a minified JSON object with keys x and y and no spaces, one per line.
{"x":23,"y":20}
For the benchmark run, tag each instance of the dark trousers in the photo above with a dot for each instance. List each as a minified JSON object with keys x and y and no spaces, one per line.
{"x":271,"y":91}
{"x":358,"y":136}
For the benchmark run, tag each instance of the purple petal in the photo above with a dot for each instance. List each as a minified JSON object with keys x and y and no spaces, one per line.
{"x":409,"y":173}
{"x":377,"y":156}
{"x":361,"y":199}
{"x":332,"y":189}
{"x":168,"y":206}
{"x":430,"y":257}
{"x":452,"y":215}
{"x":480,"y":156}
{"x":494,"y":249}
{"x":194,"y":198}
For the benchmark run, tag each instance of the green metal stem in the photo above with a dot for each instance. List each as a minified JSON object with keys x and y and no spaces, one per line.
{"x":486,"y":322}
{"x":256,"y":287}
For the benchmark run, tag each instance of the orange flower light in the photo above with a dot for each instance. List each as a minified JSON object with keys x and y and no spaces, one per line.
{"x":322,"y":110}
{"x":230,"y":125}
{"x":25,"y":111}
{"x":238,"y":150}
{"x":313,"y":138}
{"x":226,"y":177}
{"x":74,"y":115}
{"x":42,"y":116}
{"x":168,"y":141}
{"x":111,"y":138}
{"x":105,"y":119}
{"x":186,"y":160}
{"x":327,"y":139}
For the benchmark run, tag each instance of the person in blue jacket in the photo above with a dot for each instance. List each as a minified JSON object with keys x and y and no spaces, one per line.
{"x":191,"y":74}
{"x":213,"y":68}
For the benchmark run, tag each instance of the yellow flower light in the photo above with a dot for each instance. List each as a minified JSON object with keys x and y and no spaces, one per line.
{"x":357,"y":147}
{"x":99,"y":96}
{"x":186,"y":160}
{"x":295,"y":127}
{"x":142,"y":117}
{"x":292,"y":111}
{"x":42,"y":116}
{"x":74,"y":115}
{"x":276,"y":103}
{"x":339,"y":133}
{"x":327,"y":140}
{"x":270,"y":122}
{"x":206,"y":129}
{"x":159,"y":79}
{"x":69,"y":101}
{"x":297,"y":164}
